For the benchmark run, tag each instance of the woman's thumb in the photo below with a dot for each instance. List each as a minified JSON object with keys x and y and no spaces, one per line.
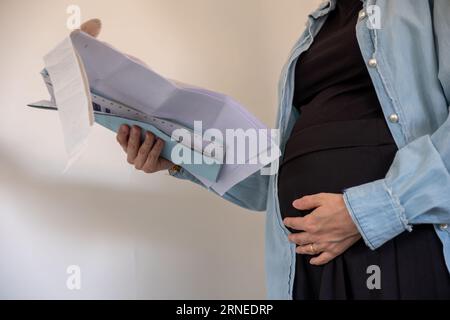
{"x":92,"y":27}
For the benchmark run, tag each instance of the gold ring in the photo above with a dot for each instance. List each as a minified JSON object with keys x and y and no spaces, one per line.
{"x":313,"y":250}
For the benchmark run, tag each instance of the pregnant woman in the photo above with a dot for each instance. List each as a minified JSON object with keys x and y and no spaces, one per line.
{"x":361,"y":204}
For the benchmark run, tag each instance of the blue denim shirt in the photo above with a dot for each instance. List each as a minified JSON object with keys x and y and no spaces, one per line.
{"x":408,"y":59}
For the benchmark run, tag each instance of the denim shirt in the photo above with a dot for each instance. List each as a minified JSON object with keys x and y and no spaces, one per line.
{"x":408,"y":59}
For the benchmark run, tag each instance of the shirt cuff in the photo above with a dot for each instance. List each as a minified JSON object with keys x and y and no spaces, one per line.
{"x":377,"y":213}
{"x":178,"y":172}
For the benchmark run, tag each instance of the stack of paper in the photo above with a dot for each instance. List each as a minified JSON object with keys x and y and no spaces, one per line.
{"x":86,"y":75}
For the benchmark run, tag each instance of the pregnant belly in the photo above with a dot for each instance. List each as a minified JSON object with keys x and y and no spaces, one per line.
{"x":332,"y":157}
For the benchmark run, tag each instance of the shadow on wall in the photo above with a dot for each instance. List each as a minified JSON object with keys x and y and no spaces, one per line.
{"x":127,"y":244}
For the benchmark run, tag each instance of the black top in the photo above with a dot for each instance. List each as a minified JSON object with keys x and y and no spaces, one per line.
{"x":331,"y":81}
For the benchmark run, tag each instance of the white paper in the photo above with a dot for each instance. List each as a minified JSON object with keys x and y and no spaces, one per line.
{"x":71,"y":93}
{"x":115,"y":76}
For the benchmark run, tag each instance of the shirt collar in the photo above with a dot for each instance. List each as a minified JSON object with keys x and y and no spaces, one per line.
{"x":325,"y":7}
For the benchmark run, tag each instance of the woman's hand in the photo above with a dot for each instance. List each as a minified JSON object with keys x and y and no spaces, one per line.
{"x":328,"y":231}
{"x":144,"y":156}
{"x":92,"y":27}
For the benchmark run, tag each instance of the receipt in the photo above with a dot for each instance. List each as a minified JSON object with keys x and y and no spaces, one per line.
{"x":72,"y":95}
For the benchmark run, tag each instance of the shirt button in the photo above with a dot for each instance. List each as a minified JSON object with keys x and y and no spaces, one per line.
{"x":362,"y":15}
{"x":373,"y":63}
{"x":443,"y":227}
{"x":394,"y":118}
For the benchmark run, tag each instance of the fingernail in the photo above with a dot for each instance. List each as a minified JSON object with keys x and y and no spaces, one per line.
{"x":297,"y":202}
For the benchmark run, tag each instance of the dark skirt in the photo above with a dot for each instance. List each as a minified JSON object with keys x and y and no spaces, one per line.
{"x":335,"y":156}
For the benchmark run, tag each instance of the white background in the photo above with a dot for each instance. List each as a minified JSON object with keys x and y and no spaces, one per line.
{"x":133,"y":235}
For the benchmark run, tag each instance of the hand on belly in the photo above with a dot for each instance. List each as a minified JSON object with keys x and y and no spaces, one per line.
{"x":328,"y":231}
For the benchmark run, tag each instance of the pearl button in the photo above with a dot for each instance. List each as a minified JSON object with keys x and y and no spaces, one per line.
{"x":362,"y":15}
{"x":373,"y":63}
{"x":394,"y":118}
{"x":444,"y":227}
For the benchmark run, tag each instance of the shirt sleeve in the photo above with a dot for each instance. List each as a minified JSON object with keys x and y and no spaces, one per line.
{"x":416,"y":189}
{"x":250,"y":193}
